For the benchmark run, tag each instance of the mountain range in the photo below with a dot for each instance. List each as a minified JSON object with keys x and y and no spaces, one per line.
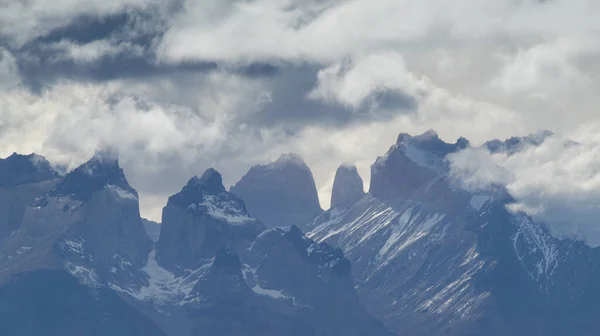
{"x":415,"y":255}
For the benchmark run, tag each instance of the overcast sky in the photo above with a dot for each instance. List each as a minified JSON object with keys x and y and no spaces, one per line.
{"x":183,"y":85}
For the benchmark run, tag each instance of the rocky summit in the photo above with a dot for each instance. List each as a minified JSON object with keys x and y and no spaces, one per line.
{"x":280,"y":194}
{"x":416,"y":255}
{"x":430,"y":258}
{"x":78,"y":261}
{"x":347,"y":186}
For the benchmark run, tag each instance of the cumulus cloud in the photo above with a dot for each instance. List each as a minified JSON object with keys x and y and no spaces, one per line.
{"x":186,"y":84}
{"x":557,"y":182}
{"x":68,"y":121}
{"x":364,"y":79}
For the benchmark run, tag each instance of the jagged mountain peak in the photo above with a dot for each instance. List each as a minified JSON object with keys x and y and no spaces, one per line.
{"x":101,"y":171}
{"x":413,"y":167}
{"x":347,"y":185}
{"x":18,"y":169}
{"x":429,"y":135}
{"x":430,"y":141}
{"x":426,"y":150}
{"x":206,"y":194}
{"x":210,"y":181}
{"x":517,"y":143}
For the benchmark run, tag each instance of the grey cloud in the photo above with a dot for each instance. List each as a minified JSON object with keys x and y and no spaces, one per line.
{"x":183,"y":85}
{"x":556,"y":182}
{"x":289,"y":105}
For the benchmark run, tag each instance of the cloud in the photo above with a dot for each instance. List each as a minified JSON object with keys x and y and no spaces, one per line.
{"x":181,"y":85}
{"x":364,"y":79}
{"x":9,"y":72}
{"x":94,"y":51}
{"x":24,"y":21}
{"x":557,"y":182}
{"x":539,"y":71}
{"x":361,"y":79}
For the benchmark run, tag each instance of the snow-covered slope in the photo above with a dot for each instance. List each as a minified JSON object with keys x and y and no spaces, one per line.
{"x":432,"y":259}
{"x":82,"y":234}
{"x":200,"y":219}
{"x":213,"y":270}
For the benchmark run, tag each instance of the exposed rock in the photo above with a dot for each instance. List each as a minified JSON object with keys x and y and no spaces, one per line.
{"x":152,"y":229}
{"x":280,"y":194}
{"x":199,"y":220}
{"x":347,"y":186}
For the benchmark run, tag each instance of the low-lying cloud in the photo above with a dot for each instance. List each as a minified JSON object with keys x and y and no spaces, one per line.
{"x":557,"y":182}
{"x":182,"y":85}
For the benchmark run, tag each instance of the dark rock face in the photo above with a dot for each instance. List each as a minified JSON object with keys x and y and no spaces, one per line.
{"x":460,"y":264}
{"x":515,"y":144}
{"x":18,"y":169}
{"x":88,"y":224}
{"x":152,"y":229}
{"x":51,"y":302}
{"x":290,"y":286}
{"x":313,"y":277}
{"x":81,"y":263}
{"x":282,"y":193}
{"x":101,"y":171}
{"x":347,"y":186}
{"x":200,"y":219}
{"x":415,"y":168}
{"x":23,"y":178}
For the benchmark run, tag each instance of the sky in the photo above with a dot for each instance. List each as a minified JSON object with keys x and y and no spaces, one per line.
{"x":183,"y":85}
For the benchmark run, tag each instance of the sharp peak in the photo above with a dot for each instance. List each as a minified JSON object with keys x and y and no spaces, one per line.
{"x":211,"y":179}
{"x":430,"y":136}
{"x":536,"y":138}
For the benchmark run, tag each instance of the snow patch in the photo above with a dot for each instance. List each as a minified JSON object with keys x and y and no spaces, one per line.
{"x":74,"y":246}
{"x":122,"y":193}
{"x":223,"y":210}
{"x":86,"y":276}
{"x":163,"y":286}
{"x":275,"y":294}
{"x":536,"y":249}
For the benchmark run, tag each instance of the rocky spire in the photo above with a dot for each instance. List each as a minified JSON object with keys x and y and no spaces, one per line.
{"x":347,"y":186}
{"x":282,"y":193}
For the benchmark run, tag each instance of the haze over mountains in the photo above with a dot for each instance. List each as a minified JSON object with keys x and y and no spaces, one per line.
{"x":421,"y":253}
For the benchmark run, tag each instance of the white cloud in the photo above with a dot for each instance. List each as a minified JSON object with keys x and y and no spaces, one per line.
{"x":9,"y":73}
{"x":556,"y":182}
{"x":353,"y":83}
{"x":539,"y":71}
{"x":475,"y":69}
{"x":94,"y":51}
